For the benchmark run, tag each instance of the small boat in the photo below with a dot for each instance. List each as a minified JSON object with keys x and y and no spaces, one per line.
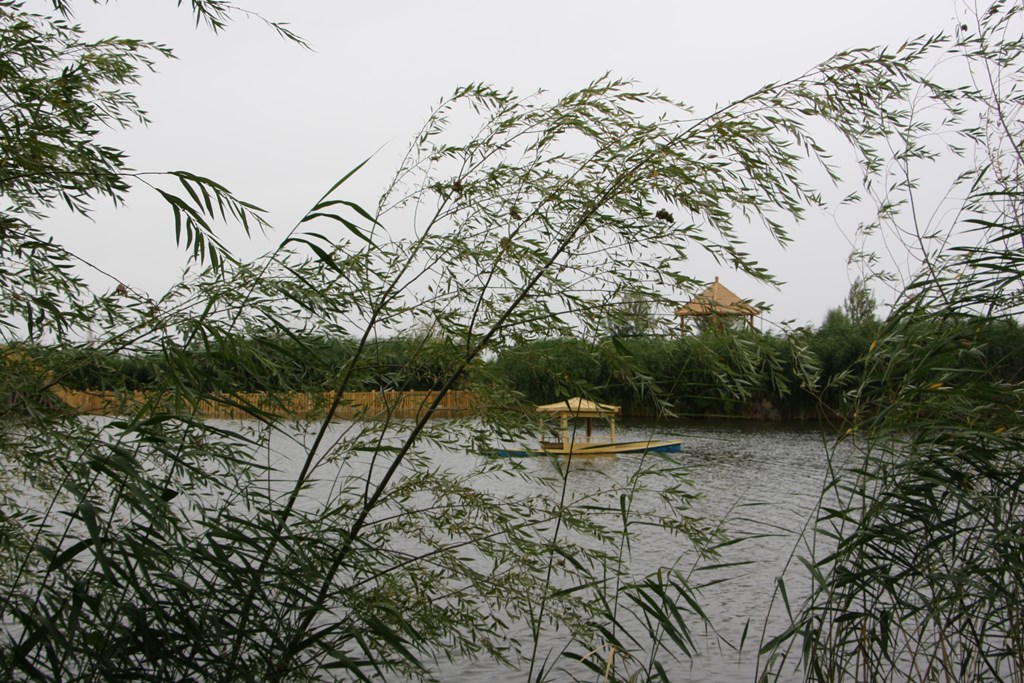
{"x":575,"y":435}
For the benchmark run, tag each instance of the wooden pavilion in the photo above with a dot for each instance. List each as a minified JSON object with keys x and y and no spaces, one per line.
{"x":716,"y":304}
{"x":580,"y":408}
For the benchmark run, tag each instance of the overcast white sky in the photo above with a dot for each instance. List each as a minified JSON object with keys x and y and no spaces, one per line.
{"x":279,"y":124}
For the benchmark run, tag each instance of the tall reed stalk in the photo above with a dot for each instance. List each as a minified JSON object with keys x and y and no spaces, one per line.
{"x":923,"y":578}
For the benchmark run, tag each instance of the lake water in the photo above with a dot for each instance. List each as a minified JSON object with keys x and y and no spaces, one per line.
{"x":764,"y":481}
{"x":760,"y":480}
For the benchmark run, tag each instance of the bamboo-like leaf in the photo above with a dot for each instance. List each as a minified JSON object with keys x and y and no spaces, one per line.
{"x":352,"y":227}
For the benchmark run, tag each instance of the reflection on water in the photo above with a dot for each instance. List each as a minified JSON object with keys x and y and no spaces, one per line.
{"x":761,"y":481}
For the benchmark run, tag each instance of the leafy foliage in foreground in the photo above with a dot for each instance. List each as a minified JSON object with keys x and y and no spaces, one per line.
{"x":922,"y":574}
{"x":160,"y":546}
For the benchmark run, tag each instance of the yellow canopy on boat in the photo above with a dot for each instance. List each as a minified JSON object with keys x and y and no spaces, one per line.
{"x":579,"y":407}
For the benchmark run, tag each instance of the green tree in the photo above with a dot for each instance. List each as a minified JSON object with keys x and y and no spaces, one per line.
{"x":632,"y":315}
{"x":839,"y":346}
{"x":860,"y":304}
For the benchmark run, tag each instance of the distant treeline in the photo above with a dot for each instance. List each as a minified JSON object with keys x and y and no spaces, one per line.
{"x":262,"y":363}
{"x":740,"y":373}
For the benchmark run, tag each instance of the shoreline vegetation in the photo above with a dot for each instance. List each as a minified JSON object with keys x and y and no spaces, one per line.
{"x":729,"y":373}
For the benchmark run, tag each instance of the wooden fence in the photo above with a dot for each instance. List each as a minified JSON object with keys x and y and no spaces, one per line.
{"x":297,"y":405}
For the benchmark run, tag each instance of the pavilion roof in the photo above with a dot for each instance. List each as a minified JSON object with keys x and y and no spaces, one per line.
{"x":579,"y":407}
{"x":717,"y":299}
